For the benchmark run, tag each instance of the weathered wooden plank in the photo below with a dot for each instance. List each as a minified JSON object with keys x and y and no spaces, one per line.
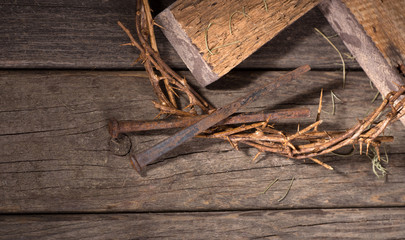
{"x":55,"y":157}
{"x":384,"y":22}
{"x":384,"y":76}
{"x":209,"y":56}
{"x":85,"y":35}
{"x":384,"y":223}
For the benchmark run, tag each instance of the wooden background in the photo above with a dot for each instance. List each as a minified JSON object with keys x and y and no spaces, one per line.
{"x":64,"y":75}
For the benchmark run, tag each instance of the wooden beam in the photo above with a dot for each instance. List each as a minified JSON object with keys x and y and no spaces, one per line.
{"x":384,"y":76}
{"x":213,"y":37}
{"x":384,"y":22}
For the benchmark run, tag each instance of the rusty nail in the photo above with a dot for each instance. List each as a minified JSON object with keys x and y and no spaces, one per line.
{"x":141,"y":159}
{"x":115,"y":128}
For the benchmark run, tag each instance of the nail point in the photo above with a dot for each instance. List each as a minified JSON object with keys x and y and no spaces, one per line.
{"x":136,"y":165}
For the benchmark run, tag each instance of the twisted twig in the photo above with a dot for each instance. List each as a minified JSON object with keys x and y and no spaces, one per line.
{"x":158,"y":71}
{"x":320,"y":142}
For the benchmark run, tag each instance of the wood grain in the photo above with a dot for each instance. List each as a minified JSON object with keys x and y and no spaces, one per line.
{"x":384,"y":76}
{"x":383,"y":223}
{"x":85,"y":35}
{"x":384,"y":22}
{"x":213,"y":37}
{"x":54,"y":145}
{"x":55,"y":155}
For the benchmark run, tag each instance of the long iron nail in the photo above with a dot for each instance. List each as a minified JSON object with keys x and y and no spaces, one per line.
{"x":141,"y":159}
{"x":115,"y":128}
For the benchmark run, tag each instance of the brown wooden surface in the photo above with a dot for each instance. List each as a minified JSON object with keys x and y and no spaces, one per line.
{"x":213,"y":37}
{"x":85,"y":35}
{"x":58,"y":178}
{"x":269,"y":224}
{"x":384,"y":22}
{"x":55,"y":153}
{"x":384,"y":76}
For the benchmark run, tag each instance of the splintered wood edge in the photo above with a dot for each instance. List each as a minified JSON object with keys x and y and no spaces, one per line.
{"x":361,"y":46}
{"x":187,"y":51}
